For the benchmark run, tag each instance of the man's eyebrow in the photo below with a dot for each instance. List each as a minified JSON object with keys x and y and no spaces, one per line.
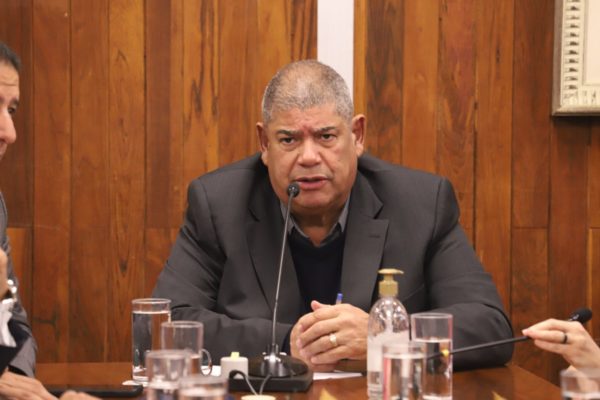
{"x":288,"y":132}
{"x":299,"y":132}
{"x":325,"y":129}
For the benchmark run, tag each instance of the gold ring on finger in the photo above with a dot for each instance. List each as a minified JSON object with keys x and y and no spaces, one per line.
{"x":333,"y":339}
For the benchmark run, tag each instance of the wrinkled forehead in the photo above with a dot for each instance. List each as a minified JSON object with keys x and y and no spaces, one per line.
{"x":8,"y":75}
{"x":316,"y":114}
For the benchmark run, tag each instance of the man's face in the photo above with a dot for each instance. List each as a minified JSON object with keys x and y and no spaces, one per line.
{"x":316,"y":148}
{"x":9,"y":100}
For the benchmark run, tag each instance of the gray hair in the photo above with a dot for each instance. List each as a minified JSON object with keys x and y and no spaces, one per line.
{"x":305,"y":84}
{"x":9,"y":57}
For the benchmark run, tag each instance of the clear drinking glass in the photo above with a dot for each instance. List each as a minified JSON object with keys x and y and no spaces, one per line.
{"x":580,"y":384}
{"x":402,"y":370}
{"x":435,"y":331}
{"x":187,"y":335}
{"x":164,"y":369}
{"x":146,"y":317}
{"x":202,"y":387}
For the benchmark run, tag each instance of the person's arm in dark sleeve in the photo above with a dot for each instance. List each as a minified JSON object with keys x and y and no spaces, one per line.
{"x":191,"y":279}
{"x":458,"y":284}
{"x":24,"y":362}
{"x":8,"y":353}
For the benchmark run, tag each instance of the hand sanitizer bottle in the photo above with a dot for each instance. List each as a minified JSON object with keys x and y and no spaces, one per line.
{"x":388,"y":321}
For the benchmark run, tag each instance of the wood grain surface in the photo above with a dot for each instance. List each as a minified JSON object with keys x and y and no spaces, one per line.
{"x":510,"y":383}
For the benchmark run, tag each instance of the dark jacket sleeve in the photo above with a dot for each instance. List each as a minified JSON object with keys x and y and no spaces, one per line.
{"x":458,"y":284}
{"x":7,"y":354}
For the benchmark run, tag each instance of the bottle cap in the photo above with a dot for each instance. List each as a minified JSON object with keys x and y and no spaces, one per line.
{"x":388,"y":285}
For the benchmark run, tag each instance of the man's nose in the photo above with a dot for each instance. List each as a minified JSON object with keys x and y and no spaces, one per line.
{"x":309,"y":153}
{"x":8,"y":134}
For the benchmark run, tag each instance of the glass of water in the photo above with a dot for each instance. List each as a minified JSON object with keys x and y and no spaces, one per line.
{"x":434,"y":330}
{"x":164,"y":369}
{"x":402,"y":370}
{"x":202,"y":387}
{"x":146,"y":317}
{"x":580,"y":384}
{"x":187,"y":335}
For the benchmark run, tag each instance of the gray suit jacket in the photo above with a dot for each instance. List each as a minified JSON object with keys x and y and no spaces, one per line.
{"x":24,"y":361}
{"x":223,"y":266}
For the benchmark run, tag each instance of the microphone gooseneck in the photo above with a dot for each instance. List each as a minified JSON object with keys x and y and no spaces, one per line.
{"x":272,"y":362}
{"x":292,"y":190}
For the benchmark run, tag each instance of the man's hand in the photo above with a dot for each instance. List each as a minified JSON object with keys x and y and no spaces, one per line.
{"x":567,"y":338}
{"x":13,"y":386}
{"x":311,"y":338}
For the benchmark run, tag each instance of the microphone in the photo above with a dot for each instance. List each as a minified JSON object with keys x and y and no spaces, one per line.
{"x":274,"y":364}
{"x":581,"y":315}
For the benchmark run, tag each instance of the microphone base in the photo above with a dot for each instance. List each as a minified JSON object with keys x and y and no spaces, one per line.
{"x":277,"y":365}
{"x":287,"y":374}
{"x":297,"y":383}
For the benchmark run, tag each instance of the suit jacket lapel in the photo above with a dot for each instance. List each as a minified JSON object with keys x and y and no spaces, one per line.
{"x":363,"y":249}
{"x":264,"y":231}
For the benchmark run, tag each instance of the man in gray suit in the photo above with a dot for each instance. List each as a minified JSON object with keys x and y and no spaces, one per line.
{"x":354,"y":215}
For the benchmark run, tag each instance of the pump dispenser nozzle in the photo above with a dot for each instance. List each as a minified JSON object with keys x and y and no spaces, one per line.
{"x":388,"y":285}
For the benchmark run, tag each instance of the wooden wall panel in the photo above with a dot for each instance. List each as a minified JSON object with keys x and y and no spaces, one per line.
{"x":420,"y":84}
{"x":164,"y":113}
{"x":568,"y":222}
{"x":456,"y":102}
{"x":493,"y":145}
{"x":361,"y":24}
{"x":127,"y":161}
{"x":158,"y":247}
{"x":534,"y":22}
{"x":90,"y":226}
{"x":201,"y":76}
{"x":384,"y":78}
{"x":50,"y":312}
{"x":304,"y":29}
{"x":274,"y":41}
{"x":593,"y":279}
{"x":529,"y":294}
{"x":238,"y":29}
{"x":594,"y":175}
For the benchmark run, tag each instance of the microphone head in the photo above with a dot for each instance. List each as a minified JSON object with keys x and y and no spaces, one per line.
{"x":582,"y":315}
{"x":293,"y":189}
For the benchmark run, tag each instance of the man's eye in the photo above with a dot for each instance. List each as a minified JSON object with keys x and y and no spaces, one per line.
{"x":327,"y":136}
{"x":12,"y":110}
{"x":286,"y":140}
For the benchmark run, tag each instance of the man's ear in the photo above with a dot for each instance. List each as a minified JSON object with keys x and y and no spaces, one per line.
{"x":263,"y":141}
{"x":358,"y":130}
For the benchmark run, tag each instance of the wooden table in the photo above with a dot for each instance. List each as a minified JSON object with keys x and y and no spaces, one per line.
{"x":510,"y":383}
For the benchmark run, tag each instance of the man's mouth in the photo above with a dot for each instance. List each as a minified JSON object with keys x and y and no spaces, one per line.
{"x":311,"y":182}
{"x":310,"y":179}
